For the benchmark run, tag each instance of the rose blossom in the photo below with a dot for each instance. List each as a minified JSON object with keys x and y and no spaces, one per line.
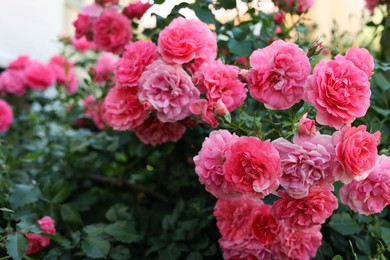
{"x":13,"y":82}
{"x":301,"y":5}
{"x":112,"y":31}
{"x":264,"y":226}
{"x":38,"y":242}
{"x":104,"y":67}
{"x":244,"y":249}
{"x":64,"y":73}
{"x":137,"y":56}
{"x":154,"y":132}
{"x":93,"y":110}
{"x":362,"y":59}
{"x":356,"y":152}
{"x":278,"y":74}
{"x":82,"y":44}
{"x":20,"y":63}
{"x":306,"y":162}
{"x":220,"y":82}
{"x":136,"y":10}
{"x":253,"y":166}
{"x":169,"y":89}
{"x":124,"y":111}
{"x":208,"y":111}
{"x":39,"y":76}
{"x":184,"y":40}
{"x":306,"y":126}
{"x":372,"y":194}
{"x":85,"y":20}
{"x":210,"y":160}
{"x":340,"y":92}
{"x":6,"y":115}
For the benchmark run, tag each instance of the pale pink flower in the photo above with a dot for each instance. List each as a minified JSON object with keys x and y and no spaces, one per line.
{"x":220,"y":82}
{"x":307,"y":162}
{"x":169,"y":89}
{"x":278,"y":74}
{"x":372,"y":194}
{"x":94,"y":110}
{"x":6,"y":115}
{"x":155,"y":132}
{"x":210,"y":160}
{"x":64,"y":73}
{"x":311,"y":210}
{"x":264,"y":226}
{"x":13,"y":81}
{"x":371,"y":4}
{"x":92,"y":10}
{"x":104,"y":67}
{"x":39,"y":76}
{"x":362,"y":59}
{"x":82,"y":44}
{"x":184,"y":40}
{"x":339,"y":90}
{"x":112,"y":31}
{"x":244,"y":249}
{"x":38,"y":242}
{"x":123,"y":110}
{"x":136,"y":10}
{"x":306,"y":126}
{"x":356,"y":152}
{"x":137,"y":56}
{"x":253,"y":167}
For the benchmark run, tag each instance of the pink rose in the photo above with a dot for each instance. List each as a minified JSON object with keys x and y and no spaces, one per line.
{"x":311,"y":210}
{"x":83,"y":25}
{"x":155,"y":132}
{"x":244,"y":249}
{"x":169,"y":89}
{"x":94,"y":110}
{"x":6,"y":115}
{"x":184,"y":40}
{"x":306,"y":126}
{"x":278,"y":18}
{"x":372,"y":194}
{"x":356,"y":152}
{"x":371,"y":4}
{"x":39,"y":76}
{"x":253,"y":167}
{"x":362,"y":59}
{"x":137,"y":56}
{"x":264,"y":226}
{"x":82,"y":44}
{"x":207,"y":111}
{"x":112,"y":31}
{"x":136,"y":10}
{"x":340,"y":92}
{"x":38,"y":242}
{"x":123,"y":109}
{"x":20,"y":63}
{"x":301,"y":5}
{"x":64,"y":73}
{"x":306,"y":162}
{"x":210,"y":160}
{"x":220,"y":82}
{"x":278,"y":75}
{"x":13,"y":81}
{"x":104,"y":67}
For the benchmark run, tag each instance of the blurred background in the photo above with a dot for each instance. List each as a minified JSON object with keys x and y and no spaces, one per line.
{"x":33,"y":27}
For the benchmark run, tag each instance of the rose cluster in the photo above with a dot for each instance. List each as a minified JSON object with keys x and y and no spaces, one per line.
{"x":37,"y":242}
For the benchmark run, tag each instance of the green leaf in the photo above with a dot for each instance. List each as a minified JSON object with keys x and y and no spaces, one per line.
{"x":95,"y":247}
{"x":63,"y":191}
{"x":119,"y":253}
{"x":194,"y":256}
{"x":228,"y":4}
{"x":16,"y":245}
{"x":22,"y":194}
{"x":337,"y":257}
{"x":385,"y":235}
{"x":118,"y":212}
{"x":94,"y":229}
{"x":170,"y":253}
{"x":204,"y":14}
{"x":344,"y":224}
{"x":122,"y":231}
{"x":70,"y":215}
{"x":240,"y":48}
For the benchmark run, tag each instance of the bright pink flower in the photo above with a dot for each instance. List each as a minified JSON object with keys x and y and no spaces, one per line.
{"x":278,"y":18}
{"x":136,"y":10}
{"x":244,"y":249}
{"x":13,"y":81}
{"x":137,"y":56}
{"x":372,"y":194}
{"x":371,"y":4}
{"x":38,"y":242}
{"x":64,"y":73}
{"x":94,"y":110}
{"x":306,"y":162}
{"x":184,"y":40}
{"x":356,"y":152}
{"x":39,"y":76}
{"x":155,"y":132}
{"x":82,"y":44}
{"x":264,"y":226}
{"x":311,"y":210}
{"x":278,"y":74}
{"x":169,"y":89}
{"x":253,"y":166}
{"x":278,"y":30}
{"x":20,"y":63}
{"x":210,"y":160}
{"x":299,"y":244}
{"x":83,"y":25}
{"x":306,"y":126}
{"x":220,"y":82}
{"x":112,"y":31}
{"x":104,"y":67}
{"x":6,"y":115}
{"x":362,"y":59}
{"x":340,"y":92}
{"x":123,"y":109}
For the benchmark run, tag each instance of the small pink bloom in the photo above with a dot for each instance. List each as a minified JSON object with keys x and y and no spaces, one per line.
{"x":220,"y":82}
{"x":13,"y":81}
{"x":210,"y":160}
{"x":123,"y":109}
{"x":94,"y":110}
{"x":83,"y":25}
{"x":136,"y":10}
{"x":184,"y":40}
{"x":306,"y":126}
{"x":253,"y":167}
{"x":137,"y":56}
{"x":356,"y":152}
{"x":6,"y":115}
{"x":82,"y":44}
{"x":264,"y":226}
{"x":206,"y":110}
{"x":340,"y":92}
{"x":112,"y":31}
{"x":372,"y":194}
{"x":64,"y":73}
{"x":169,"y":90}
{"x":245,"y":249}
{"x":39,"y":76}
{"x":278,"y":18}
{"x":311,"y":210}
{"x":278,"y":30}
{"x":104,"y":67}
{"x":155,"y":132}
{"x":362,"y":59}
{"x":278,"y":75}
{"x":38,"y":242}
